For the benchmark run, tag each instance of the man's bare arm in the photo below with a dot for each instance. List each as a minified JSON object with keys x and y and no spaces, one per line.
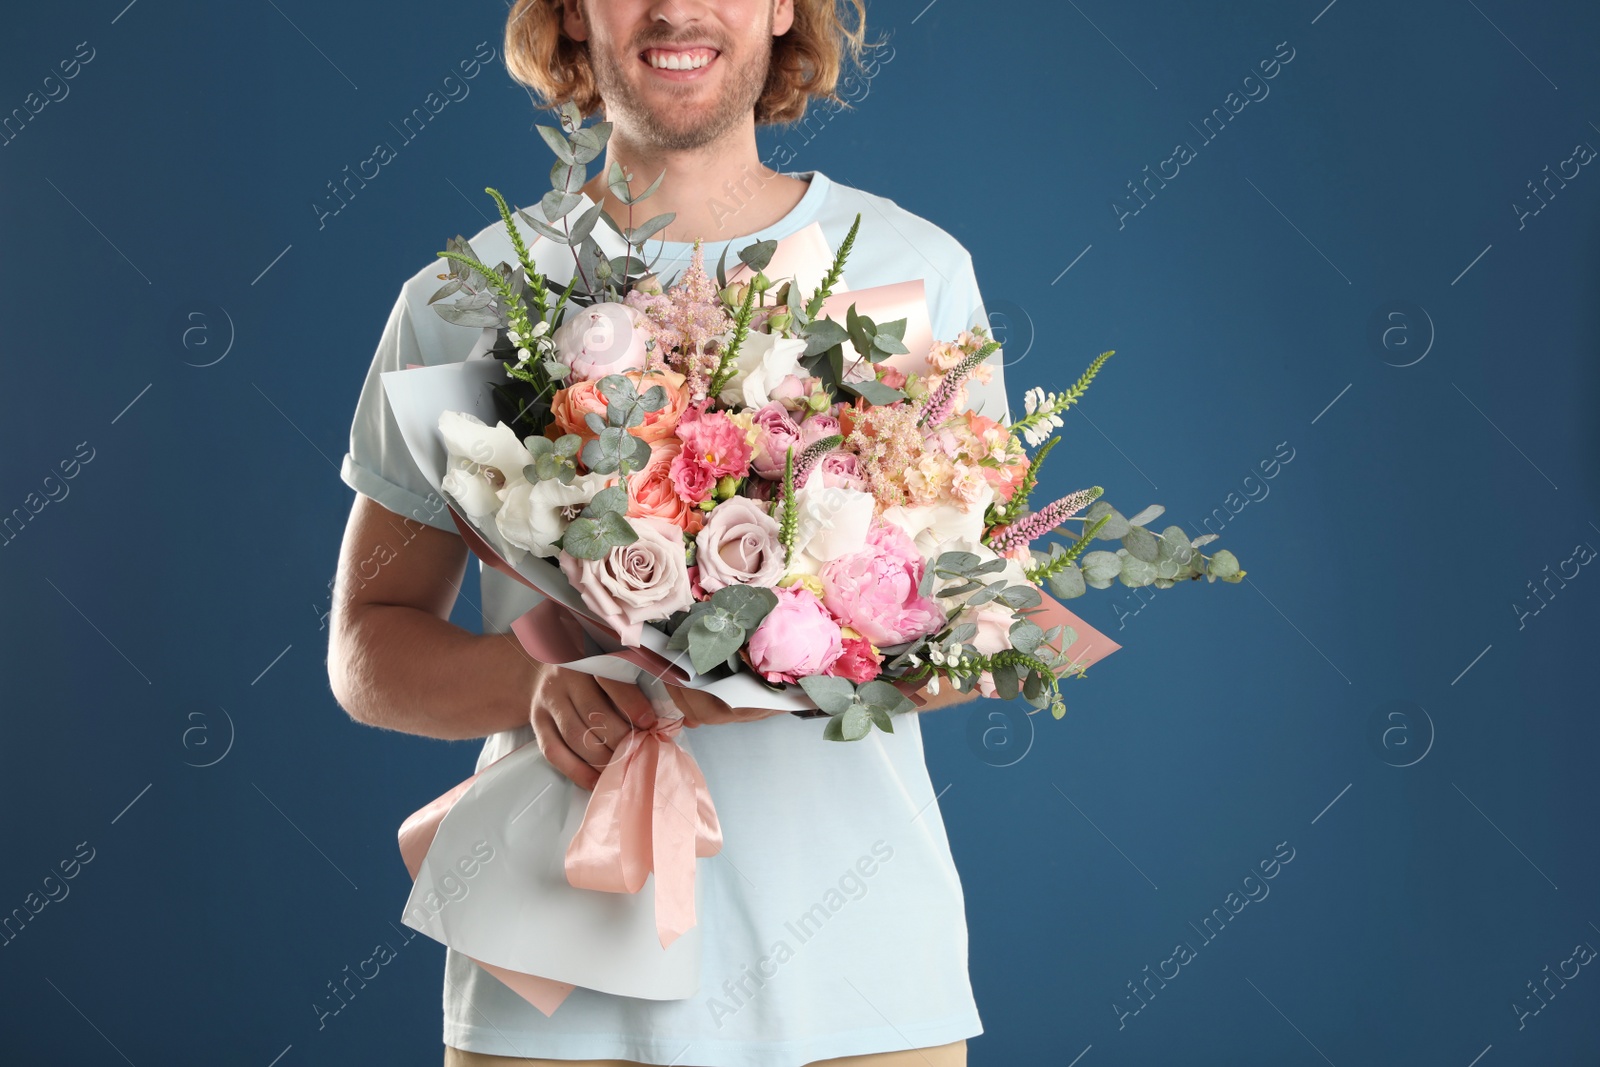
{"x":394,"y":658}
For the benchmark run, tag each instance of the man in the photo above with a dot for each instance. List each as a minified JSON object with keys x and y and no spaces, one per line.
{"x":810,"y":827}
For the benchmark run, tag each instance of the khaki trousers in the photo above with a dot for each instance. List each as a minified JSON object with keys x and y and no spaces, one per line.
{"x":951,"y":1055}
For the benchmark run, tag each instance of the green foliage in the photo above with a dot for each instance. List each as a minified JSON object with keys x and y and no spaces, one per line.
{"x":600,"y":527}
{"x":714,"y":630}
{"x":853,"y":709}
{"x":835,"y":270}
{"x":728,"y":365}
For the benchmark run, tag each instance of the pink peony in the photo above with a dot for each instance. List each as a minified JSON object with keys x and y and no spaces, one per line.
{"x":874,"y":591}
{"x":776,"y":433}
{"x":601,"y":339}
{"x":714,"y":440}
{"x":797,"y":638}
{"x":859,"y":662}
{"x":635,"y":584}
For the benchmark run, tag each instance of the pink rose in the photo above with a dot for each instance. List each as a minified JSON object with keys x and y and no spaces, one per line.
{"x":797,"y":638}
{"x":635,"y":584}
{"x":893,"y":377}
{"x":840,"y":470}
{"x":713,"y":439}
{"x":776,"y":433}
{"x":816,"y":428}
{"x":739,"y":545}
{"x":791,"y":387}
{"x":874,"y":591}
{"x":993,"y":636}
{"x":601,"y":339}
{"x":858,"y":663}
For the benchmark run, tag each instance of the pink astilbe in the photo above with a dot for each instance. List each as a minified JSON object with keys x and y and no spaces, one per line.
{"x":889,"y":443}
{"x":1036,"y":524}
{"x":683,"y":319}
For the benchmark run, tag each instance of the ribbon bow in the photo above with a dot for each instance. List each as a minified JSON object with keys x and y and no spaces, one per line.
{"x":650,"y":810}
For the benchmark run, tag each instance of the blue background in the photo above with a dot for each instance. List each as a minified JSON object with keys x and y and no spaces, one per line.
{"x":1379,"y":696}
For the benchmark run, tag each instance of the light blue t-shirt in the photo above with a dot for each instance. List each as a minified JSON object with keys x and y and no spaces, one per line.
{"x":833,"y":918}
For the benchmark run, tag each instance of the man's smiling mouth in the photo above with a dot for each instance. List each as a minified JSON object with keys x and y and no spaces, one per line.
{"x":679,"y":59}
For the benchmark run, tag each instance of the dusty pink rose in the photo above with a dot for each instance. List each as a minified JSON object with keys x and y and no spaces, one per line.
{"x":635,"y":584}
{"x":796,"y":639}
{"x":893,"y":377}
{"x":601,"y":339}
{"x":776,"y":433}
{"x":839,"y":470}
{"x":874,"y":591}
{"x":791,"y":387}
{"x":816,"y":428}
{"x":713,"y":439}
{"x":858,"y":663}
{"x":739,"y":545}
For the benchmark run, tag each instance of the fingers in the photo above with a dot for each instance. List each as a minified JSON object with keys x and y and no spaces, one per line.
{"x":701,"y":708}
{"x":594,"y":727}
{"x":547,"y":732}
{"x":629,"y":699}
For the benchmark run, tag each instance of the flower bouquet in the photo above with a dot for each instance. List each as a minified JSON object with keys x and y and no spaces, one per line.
{"x":730,"y":485}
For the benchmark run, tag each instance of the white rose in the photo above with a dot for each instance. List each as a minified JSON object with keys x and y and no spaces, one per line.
{"x":763,"y":361}
{"x":534,"y":515}
{"x":832,"y":521}
{"x":929,"y":524}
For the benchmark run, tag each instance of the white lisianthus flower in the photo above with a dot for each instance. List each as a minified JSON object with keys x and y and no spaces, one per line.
{"x":930,"y":524}
{"x":534,"y":515}
{"x":763,"y":361}
{"x":470,"y":441}
{"x":832,"y":521}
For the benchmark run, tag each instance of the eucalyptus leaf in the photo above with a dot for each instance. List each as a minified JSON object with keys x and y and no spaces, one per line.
{"x":875,"y":392}
{"x":1116,"y":527}
{"x":758,"y":254}
{"x":557,"y":142}
{"x":1141,"y":543}
{"x":1154,"y":511}
{"x":1223,"y":564}
{"x":855,"y":723}
{"x":1136,"y":572}
{"x":831,"y":694}
{"x":1066,"y":583}
{"x":879,"y":694}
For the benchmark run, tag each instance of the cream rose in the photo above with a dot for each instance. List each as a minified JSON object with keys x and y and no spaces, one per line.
{"x":739,"y":546}
{"x":634,"y":584}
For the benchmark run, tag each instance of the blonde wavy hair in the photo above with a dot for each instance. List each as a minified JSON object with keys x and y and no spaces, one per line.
{"x":806,"y":61}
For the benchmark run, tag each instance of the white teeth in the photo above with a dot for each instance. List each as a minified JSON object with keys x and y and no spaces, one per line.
{"x":676,"y":61}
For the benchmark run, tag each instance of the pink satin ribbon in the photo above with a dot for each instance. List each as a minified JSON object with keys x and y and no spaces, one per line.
{"x":651,"y":811}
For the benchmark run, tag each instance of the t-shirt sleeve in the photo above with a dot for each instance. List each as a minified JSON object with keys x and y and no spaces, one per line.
{"x":989,"y":398}
{"x":379,"y":464}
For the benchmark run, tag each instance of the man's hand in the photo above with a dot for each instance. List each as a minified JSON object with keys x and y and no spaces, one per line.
{"x":701,"y":709}
{"x":579,"y":720}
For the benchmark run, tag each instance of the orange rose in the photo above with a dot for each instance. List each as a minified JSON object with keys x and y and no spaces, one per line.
{"x":568,"y":407}
{"x":650,"y":491}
